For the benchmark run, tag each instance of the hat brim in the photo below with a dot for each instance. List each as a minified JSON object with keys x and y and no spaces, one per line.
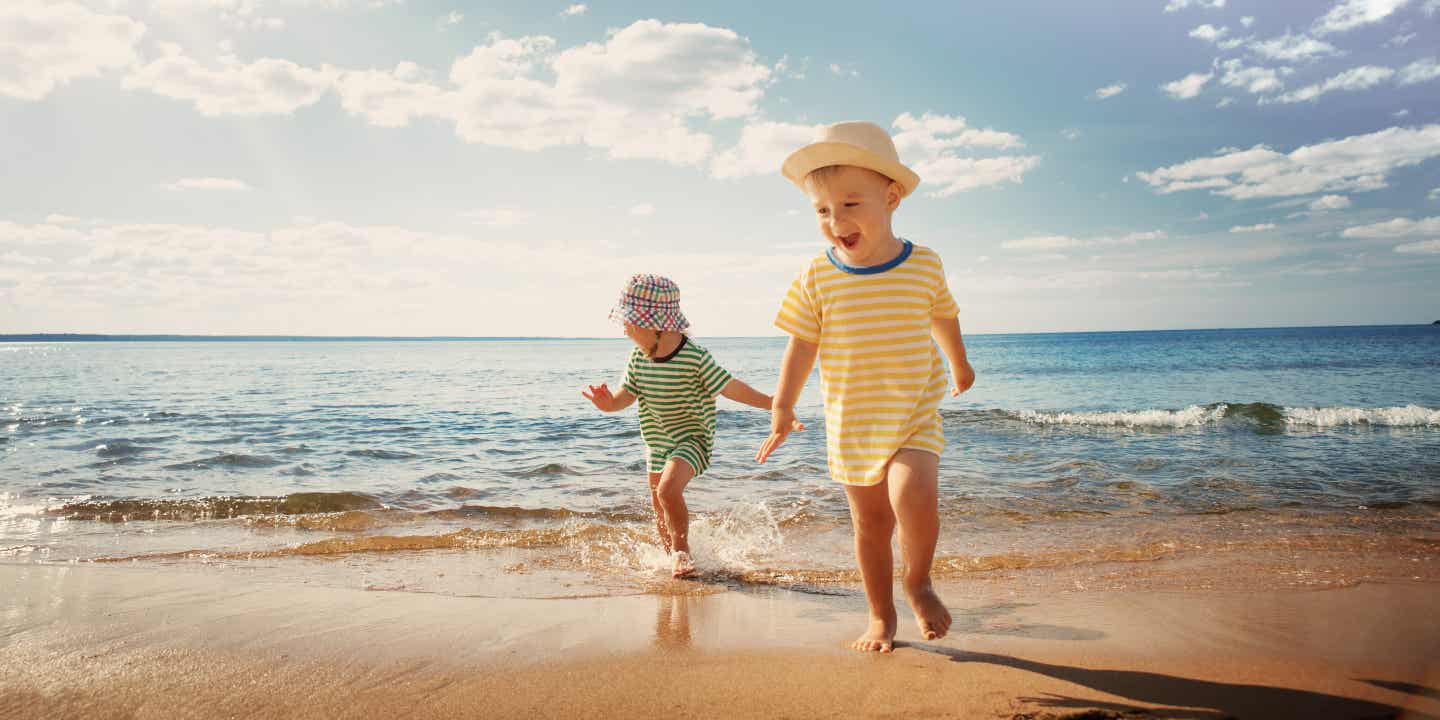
{"x":814,"y":156}
{"x":675,"y":321}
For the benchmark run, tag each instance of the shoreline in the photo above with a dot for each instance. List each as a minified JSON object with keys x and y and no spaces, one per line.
{"x":88,"y":641}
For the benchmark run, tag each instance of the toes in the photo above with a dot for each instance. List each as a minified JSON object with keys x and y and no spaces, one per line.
{"x":887,"y":646}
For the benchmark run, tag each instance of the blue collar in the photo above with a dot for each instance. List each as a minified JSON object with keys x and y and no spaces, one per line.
{"x":905,"y":249}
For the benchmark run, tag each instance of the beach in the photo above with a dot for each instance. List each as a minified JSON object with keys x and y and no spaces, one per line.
{"x":447,"y":529}
{"x":128,"y":642}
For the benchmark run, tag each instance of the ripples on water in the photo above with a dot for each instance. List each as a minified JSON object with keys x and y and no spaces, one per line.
{"x":468,"y":467}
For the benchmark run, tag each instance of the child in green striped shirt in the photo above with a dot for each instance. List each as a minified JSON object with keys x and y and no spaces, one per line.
{"x":676,"y":382}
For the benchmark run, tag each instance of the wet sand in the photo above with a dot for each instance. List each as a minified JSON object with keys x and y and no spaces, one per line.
{"x":146,"y":642}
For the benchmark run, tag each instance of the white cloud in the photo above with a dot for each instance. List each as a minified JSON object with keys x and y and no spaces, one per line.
{"x":930,"y":143}
{"x":1188,"y":86}
{"x":1397,"y":228}
{"x":1043,"y":242}
{"x":1330,"y":202}
{"x":45,"y":45}
{"x":1358,"y":78}
{"x":1430,"y":7}
{"x":1292,"y":48}
{"x":928,"y":133}
{"x":578,"y":9}
{"x":1254,"y":79}
{"x":455,"y":17}
{"x":956,"y":174}
{"x":1422,"y":70}
{"x":1356,"y":163}
{"x":1261,"y":227}
{"x":264,"y":87}
{"x":1350,"y":14}
{"x":1142,"y":236}
{"x":1423,"y":247}
{"x":58,"y":219}
{"x":1110,"y":91}
{"x":1401,"y":40}
{"x":1247,"y":21}
{"x":1434,"y":194}
{"x":388,"y":99}
{"x":1225,"y":102}
{"x":207,"y":183}
{"x":1066,"y":242}
{"x":1070,"y":134}
{"x":15,"y":258}
{"x":1402,"y":112}
{"x":642,"y":210}
{"x":1209,"y":33}
{"x":763,"y":146}
{"x":499,"y":216}
{"x":1174,"y":5}
{"x":633,"y":95}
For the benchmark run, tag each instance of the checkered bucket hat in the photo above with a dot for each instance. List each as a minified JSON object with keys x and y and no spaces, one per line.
{"x":650,"y":301}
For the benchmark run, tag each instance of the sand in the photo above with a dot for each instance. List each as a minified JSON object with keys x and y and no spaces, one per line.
{"x":144,"y":642}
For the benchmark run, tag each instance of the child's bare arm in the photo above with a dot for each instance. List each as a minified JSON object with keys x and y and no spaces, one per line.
{"x":794,"y":371}
{"x":744,"y":394}
{"x":602,"y":398}
{"x":947,"y":335}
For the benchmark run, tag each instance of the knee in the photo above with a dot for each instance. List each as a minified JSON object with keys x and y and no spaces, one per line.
{"x":873,"y":523}
{"x":669,"y":491}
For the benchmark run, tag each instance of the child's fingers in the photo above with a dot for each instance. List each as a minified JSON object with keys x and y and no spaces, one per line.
{"x":771,"y":443}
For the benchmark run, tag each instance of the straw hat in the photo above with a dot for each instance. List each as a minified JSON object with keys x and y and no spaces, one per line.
{"x":862,"y":144}
{"x":650,"y":301}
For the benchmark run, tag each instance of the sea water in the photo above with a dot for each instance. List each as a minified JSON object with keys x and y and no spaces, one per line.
{"x":476,"y":467}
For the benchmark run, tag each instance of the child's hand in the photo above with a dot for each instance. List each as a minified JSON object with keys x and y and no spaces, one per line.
{"x":600,"y":396}
{"x":782,"y":422}
{"x":964,"y":378}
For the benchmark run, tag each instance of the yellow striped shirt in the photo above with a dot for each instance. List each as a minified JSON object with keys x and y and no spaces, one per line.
{"x":880,"y":372}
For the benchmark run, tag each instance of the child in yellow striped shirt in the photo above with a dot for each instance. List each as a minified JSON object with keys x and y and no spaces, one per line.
{"x":872,"y":309}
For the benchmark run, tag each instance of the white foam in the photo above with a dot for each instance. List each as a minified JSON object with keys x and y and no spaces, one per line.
{"x":1408,"y":416}
{"x":1192,"y":416}
{"x":737,"y":538}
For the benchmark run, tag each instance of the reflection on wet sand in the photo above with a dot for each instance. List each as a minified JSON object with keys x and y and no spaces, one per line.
{"x":672,"y":622}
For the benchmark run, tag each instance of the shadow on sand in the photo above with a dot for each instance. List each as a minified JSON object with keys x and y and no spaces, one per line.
{"x":1190,"y":698}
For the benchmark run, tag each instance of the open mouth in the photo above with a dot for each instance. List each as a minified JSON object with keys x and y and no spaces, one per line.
{"x":848,"y":241}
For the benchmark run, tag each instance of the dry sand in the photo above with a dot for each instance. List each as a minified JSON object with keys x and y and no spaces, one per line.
{"x":144,"y":642}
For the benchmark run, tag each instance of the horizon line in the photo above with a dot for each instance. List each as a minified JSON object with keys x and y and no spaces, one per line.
{"x":243,"y":337}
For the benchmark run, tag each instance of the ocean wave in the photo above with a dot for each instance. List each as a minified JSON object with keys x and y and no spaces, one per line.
{"x":211,"y":508}
{"x":1261,"y":416}
{"x":553,"y":469}
{"x":1407,"y":416}
{"x":1192,"y":416}
{"x":382,"y":454}
{"x":242,"y":460}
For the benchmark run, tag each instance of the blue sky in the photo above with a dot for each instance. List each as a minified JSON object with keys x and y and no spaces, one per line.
{"x":409,"y":167}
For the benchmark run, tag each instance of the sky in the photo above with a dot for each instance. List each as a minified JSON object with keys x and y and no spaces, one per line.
{"x":418,"y":167}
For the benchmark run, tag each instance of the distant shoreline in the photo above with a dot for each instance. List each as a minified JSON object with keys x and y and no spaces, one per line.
{"x":105,"y":337}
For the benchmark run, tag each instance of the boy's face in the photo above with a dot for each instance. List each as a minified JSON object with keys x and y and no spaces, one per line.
{"x":853,"y":206}
{"x":644,"y":337}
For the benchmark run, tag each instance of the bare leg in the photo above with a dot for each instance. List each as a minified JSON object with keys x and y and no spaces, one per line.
{"x":671,"y":495}
{"x":913,"y":478}
{"x":659,"y":512}
{"x":874,"y":523}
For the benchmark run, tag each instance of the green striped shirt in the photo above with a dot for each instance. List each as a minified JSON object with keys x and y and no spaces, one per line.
{"x":676,"y":394}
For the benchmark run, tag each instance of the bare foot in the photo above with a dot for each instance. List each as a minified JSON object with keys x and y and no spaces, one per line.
{"x":930,"y":613}
{"x":683,"y":566}
{"x":879,"y":637}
